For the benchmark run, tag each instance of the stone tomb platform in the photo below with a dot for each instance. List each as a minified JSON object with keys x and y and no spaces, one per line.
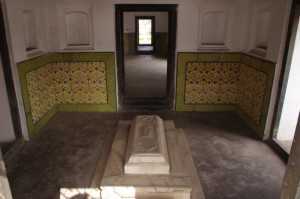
{"x":147,"y":151}
{"x":150,"y":159}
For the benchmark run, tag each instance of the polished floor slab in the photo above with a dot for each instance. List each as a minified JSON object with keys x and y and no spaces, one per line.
{"x":231,"y":162}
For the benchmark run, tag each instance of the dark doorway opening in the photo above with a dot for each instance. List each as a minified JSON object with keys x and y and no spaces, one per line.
{"x":137,"y":81}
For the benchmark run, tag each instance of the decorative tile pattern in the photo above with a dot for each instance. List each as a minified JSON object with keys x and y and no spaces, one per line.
{"x":211,"y":83}
{"x":225,"y":82}
{"x":88,"y":82}
{"x":229,"y":83}
{"x":40,"y":91}
{"x":32,"y":86}
{"x":61,"y":82}
{"x":65,"y":83}
{"x":71,"y":81}
{"x":252,"y":87}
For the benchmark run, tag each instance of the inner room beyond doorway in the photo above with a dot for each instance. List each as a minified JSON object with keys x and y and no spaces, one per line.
{"x":145,"y":54}
{"x":145,"y":75}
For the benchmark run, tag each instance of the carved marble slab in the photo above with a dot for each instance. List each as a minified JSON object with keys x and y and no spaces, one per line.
{"x":147,"y":148}
{"x":181,"y":183}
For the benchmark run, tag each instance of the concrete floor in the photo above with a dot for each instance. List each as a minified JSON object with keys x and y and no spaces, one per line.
{"x":230,"y":161}
{"x":145,"y":76}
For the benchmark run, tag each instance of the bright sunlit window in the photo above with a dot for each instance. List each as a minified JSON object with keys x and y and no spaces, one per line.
{"x":145,"y":31}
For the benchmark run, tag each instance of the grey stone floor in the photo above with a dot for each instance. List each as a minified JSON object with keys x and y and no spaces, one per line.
{"x":231,"y":162}
{"x":145,"y":76}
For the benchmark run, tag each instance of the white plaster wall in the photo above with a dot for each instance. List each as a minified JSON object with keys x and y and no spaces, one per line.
{"x":235,"y":12}
{"x":161,"y":20}
{"x":277,"y":28}
{"x":104,"y":21}
{"x":53,"y":25}
{"x":280,"y":11}
{"x":255,"y":9}
{"x":6,"y":126}
{"x":187,"y":27}
{"x":276,"y":31}
{"x":15,"y":10}
{"x":187,"y":23}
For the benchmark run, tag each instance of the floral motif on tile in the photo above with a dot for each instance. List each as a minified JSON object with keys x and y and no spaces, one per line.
{"x":40,"y":91}
{"x":211,"y":83}
{"x":61,"y":81}
{"x":88,"y":82}
{"x":251,"y":91}
{"x":229,"y":82}
{"x":65,"y":83}
{"x":226,"y":83}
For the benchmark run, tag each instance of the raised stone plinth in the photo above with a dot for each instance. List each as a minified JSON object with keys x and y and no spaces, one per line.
{"x":145,"y":141}
{"x":147,"y":148}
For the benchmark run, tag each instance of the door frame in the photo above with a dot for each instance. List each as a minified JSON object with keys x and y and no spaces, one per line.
{"x":10,"y":87}
{"x":280,"y":151}
{"x":167,"y":102}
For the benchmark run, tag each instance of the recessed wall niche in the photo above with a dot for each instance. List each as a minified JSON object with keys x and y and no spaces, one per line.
{"x":261,"y":20}
{"x":77,"y":28}
{"x":31,"y":35}
{"x":214,"y":27}
{"x":263,"y":23}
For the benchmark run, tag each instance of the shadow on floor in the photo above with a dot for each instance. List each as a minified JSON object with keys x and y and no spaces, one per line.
{"x":231,"y":162}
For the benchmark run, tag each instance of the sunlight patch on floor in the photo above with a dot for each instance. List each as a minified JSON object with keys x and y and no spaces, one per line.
{"x":107,"y":192}
{"x":69,"y":193}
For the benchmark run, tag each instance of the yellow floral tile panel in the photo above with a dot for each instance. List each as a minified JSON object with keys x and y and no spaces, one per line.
{"x":252,"y":88}
{"x":211,"y":83}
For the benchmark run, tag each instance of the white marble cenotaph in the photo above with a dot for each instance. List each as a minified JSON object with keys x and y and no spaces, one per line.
{"x":150,"y":159}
